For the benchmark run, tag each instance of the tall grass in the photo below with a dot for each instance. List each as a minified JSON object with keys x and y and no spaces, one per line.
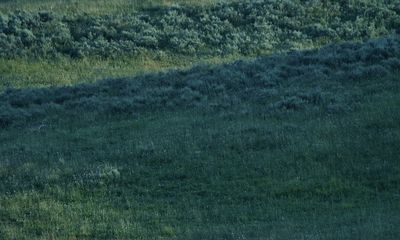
{"x":25,"y":73}
{"x":233,"y":173}
{"x":94,"y":7}
{"x":296,"y":145}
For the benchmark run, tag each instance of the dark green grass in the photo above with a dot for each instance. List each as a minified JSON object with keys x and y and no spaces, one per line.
{"x":303,"y":145}
{"x":199,"y":175}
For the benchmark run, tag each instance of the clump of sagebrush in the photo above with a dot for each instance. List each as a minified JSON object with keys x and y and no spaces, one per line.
{"x":10,"y":114}
{"x":286,"y":82}
{"x":244,"y":27}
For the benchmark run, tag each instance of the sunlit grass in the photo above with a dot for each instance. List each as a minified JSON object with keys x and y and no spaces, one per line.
{"x":96,"y":7}
{"x":20,"y":73}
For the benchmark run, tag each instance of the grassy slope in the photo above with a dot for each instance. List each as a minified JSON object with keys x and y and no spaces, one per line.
{"x":243,"y":171}
{"x":22,"y":73}
{"x":94,"y":7}
{"x":220,"y":171}
{"x":314,"y":30}
{"x":177,"y":176}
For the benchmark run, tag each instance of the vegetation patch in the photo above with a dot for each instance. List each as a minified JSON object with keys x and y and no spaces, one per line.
{"x":245,"y":27}
{"x":302,"y":143}
{"x":287,"y":82}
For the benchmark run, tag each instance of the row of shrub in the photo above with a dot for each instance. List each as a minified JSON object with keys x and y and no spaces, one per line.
{"x":245,"y":27}
{"x":282,"y":82}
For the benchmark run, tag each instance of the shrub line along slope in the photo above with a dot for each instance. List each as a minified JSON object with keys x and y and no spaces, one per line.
{"x":45,"y":48}
{"x":286,"y":81}
{"x":247,"y":27}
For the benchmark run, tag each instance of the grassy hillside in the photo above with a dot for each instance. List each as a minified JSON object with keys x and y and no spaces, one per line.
{"x":270,"y":119}
{"x":20,"y":73}
{"x":94,"y":7}
{"x":301,"y":145}
{"x":176,"y":35}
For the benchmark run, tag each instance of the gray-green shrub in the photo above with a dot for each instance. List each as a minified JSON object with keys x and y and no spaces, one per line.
{"x":245,"y":27}
{"x":290,"y":81}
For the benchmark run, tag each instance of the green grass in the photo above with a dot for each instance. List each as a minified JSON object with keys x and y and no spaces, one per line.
{"x":94,"y":7}
{"x":321,"y":166}
{"x":75,"y":47}
{"x":23,"y":73}
{"x":303,"y":145}
{"x":191,"y":174}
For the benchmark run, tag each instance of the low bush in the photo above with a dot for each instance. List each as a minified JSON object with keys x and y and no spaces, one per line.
{"x":245,"y":27}
{"x":291,"y":81}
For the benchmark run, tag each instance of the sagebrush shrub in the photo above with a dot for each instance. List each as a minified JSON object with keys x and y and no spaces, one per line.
{"x":289,"y":81}
{"x":245,"y":27}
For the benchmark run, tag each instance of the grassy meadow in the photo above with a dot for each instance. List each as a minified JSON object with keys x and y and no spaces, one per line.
{"x":199,"y":119}
{"x":94,"y":7}
{"x":20,"y":73}
{"x":196,"y":175}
